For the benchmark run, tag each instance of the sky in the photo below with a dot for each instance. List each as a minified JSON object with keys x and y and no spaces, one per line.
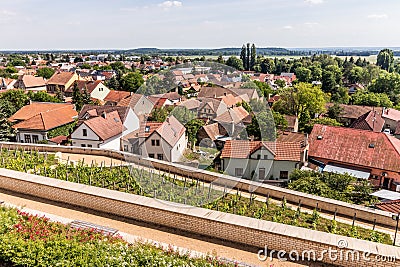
{"x":124,"y":24}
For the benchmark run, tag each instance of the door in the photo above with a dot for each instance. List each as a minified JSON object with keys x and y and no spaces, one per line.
{"x":386,"y":183}
{"x":261,"y":173}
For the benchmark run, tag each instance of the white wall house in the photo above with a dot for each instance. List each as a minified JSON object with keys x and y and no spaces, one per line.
{"x":104,"y":126}
{"x":260,"y":161}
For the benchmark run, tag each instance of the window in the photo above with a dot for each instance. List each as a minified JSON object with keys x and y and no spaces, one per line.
{"x":89,"y":145}
{"x":284,"y":175}
{"x":126,"y":148}
{"x":27,"y":138}
{"x":238,"y":172}
{"x":258,"y":156}
{"x":84,"y":132}
{"x":265,"y":156}
{"x":153,"y":142}
{"x":35,"y":139}
{"x":101,"y":89}
{"x":83,"y":145}
{"x":157,"y":142}
{"x":147,"y":129}
{"x":160,"y":156}
{"x":151,"y":156}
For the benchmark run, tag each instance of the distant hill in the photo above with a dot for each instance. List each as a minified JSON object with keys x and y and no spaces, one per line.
{"x":210,"y":52}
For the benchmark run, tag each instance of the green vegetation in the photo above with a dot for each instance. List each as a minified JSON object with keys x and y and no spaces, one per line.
{"x":194,"y":192}
{"x":65,"y":130}
{"x":28,"y":240}
{"x":343,"y":187}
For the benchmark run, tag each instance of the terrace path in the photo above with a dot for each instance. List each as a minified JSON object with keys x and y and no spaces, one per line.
{"x":66,"y":213}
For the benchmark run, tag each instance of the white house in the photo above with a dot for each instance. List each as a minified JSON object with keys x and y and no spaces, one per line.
{"x":257,"y":160}
{"x":164,"y":141}
{"x":104,"y":126}
{"x":96,"y":89}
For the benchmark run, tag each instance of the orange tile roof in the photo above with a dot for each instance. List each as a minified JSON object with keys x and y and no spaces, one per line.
{"x":107,"y":127}
{"x":61,"y":78}
{"x":171,"y":130}
{"x":31,"y":81}
{"x":35,"y":108}
{"x":242,"y":149}
{"x":352,"y":146}
{"x":116,"y":96}
{"x":49,"y":119}
{"x":390,"y":206}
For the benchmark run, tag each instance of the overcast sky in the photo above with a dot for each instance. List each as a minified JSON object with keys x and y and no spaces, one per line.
{"x":111,"y":24}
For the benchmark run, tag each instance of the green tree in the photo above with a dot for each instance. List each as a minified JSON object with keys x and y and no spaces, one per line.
{"x":243,"y":57}
{"x":183,"y":115}
{"x":253,"y":56}
{"x":303,"y":74}
{"x":300,"y":99}
{"x":17,"y":98}
{"x":385,"y":59}
{"x":365,"y":98}
{"x":235,"y":63}
{"x":160,"y":114}
{"x":264,"y":89}
{"x":192,"y":127}
{"x":262,"y":126}
{"x":77,"y":98}
{"x":388,"y":83}
{"x":335,"y":111}
{"x":45,"y":72}
{"x":131,"y":81}
{"x":43,"y":97}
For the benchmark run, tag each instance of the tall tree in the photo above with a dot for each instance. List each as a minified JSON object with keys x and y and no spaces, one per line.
{"x":253,"y":56}
{"x":248,"y":57}
{"x":243,"y":57}
{"x":385,"y":59}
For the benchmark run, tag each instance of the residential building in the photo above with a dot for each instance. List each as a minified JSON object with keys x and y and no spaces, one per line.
{"x":391,"y":117}
{"x":7,"y":84}
{"x":114,"y":97}
{"x":260,"y":161}
{"x":31,"y":83}
{"x":62,"y":81}
{"x":210,"y":108}
{"x":104,"y":131}
{"x":86,"y":136}
{"x":213,"y":135}
{"x":140,"y":104}
{"x":163,"y":141}
{"x":33,"y":122}
{"x":370,"y":121}
{"x":96,"y":89}
{"x":364,"y":154}
{"x":350,"y":113}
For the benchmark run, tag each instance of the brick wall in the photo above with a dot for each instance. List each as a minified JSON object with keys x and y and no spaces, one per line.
{"x":230,"y":227}
{"x":365,"y":214}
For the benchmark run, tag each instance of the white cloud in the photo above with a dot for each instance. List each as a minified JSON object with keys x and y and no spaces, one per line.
{"x":4,"y":12}
{"x":313,"y":2}
{"x":378,"y":16}
{"x":288,"y":27}
{"x":170,"y":4}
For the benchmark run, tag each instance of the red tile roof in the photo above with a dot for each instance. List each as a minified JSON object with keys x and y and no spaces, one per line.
{"x":49,"y":119}
{"x":371,"y":121}
{"x":242,"y":149}
{"x":61,"y":78}
{"x":391,"y":114}
{"x":59,"y":139}
{"x":390,"y":206}
{"x":171,"y":130}
{"x":116,"y":96}
{"x":106,"y":127}
{"x":352,"y":146}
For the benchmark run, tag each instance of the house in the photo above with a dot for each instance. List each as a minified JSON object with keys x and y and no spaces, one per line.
{"x":293,"y":123}
{"x":234,"y":120}
{"x":140,"y":104}
{"x":350,"y":113}
{"x":62,"y":81}
{"x":34,"y":121}
{"x":191,"y":104}
{"x":213,"y":135}
{"x":210,"y":108}
{"x":364,"y":154}
{"x":96,"y":89}
{"x":173,"y":97}
{"x":58,"y":140}
{"x":85,"y":135}
{"x":163,"y":141}
{"x":114,"y":97}
{"x":370,"y":121}
{"x":31,"y":83}
{"x":104,"y":131}
{"x":259,"y":160}
{"x":7,"y":84}
{"x":291,"y":76}
{"x":391,"y":117}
